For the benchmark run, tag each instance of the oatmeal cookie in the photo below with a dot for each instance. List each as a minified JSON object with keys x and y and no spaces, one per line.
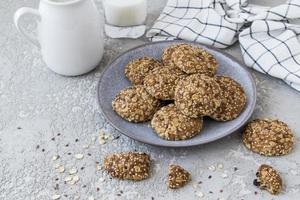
{"x":167,"y":54}
{"x":192,"y":59}
{"x":268,"y":137}
{"x":128,"y":165}
{"x":135,"y":104}
{"x":197,"y":95}
{"x":178,"y":177}
{"x":138,"y":68}
{"x":268,"y":179}
{"x":233,"y":99}
{"x":171,"y":124}
{"x":161,"y":82}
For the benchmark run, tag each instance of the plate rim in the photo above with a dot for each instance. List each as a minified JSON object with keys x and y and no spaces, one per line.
{"x":245,"y":120}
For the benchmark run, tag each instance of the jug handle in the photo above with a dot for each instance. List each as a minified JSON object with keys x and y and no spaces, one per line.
{"x":18,"y":15}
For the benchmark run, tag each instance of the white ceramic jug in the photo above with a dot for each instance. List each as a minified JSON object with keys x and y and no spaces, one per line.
{"x":70,"y":34}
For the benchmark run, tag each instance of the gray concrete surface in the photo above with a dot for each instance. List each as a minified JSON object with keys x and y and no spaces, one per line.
{"x":43,"y":114}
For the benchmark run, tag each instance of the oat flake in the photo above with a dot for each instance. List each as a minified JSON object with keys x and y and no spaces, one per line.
{"x":79,"y":156}
{"x":60,"y":169}
{"x":102,"y":141}
{"x":101,"y":180}
{"x":73,"y":171}
{"x":220,"y":166}
{"x":200,"y":194}
{"x":68,"y":178}
{"x":76,"y":178}
{"x":91,"y":198}
{"x":212,"y":168}
{"x":56,"y":196}
{"x":72,"y":182}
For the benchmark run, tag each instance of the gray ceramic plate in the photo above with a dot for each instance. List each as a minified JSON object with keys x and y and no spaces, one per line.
{"x":113,"y":80}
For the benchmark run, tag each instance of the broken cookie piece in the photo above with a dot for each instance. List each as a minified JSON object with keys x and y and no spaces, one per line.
{"x":178,"y":177}
{"x":128,"y":165}
{"x":268,"y":179}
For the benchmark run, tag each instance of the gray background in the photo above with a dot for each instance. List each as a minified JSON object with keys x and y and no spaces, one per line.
{"x":37,"y":104}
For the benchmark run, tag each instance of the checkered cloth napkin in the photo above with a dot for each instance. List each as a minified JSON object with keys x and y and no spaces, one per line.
{"x":269,"y":42}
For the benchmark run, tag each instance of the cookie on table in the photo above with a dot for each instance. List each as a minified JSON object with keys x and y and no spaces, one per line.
{"x":192,"y":59}
{"x":178,"y":177}
{"x":170,"y":124}
{"x":135,"y":104}
{"x":161,"y":82}
{"x":197,"y":95}
{"x":233,"y":99}
{"x":166,"y":56}
{"x":128,"y":165}
{"x":268,"y":179}
{"x":268,"y":137}
{"x":138,"y":68}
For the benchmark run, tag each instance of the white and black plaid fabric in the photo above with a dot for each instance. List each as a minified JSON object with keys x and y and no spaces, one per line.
{"x":269,"y":43}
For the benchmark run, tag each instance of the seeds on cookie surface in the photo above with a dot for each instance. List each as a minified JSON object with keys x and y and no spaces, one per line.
{"x":197,"y":95}
{"x":233,"y":99}
{"x":167,"y":55}
{"x":268,"y":178}
{"x":268,"y":137}
{"x":128,"y":165}
{"x":192,"y":59}
{"x":161,"y":82}
{"x":138,"y":68}
{"x":178,"y":177}
{"x":170,"y":124}
{"x":135,"y":104}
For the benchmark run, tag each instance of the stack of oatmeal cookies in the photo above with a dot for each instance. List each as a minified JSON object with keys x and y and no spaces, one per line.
{"x":175,"y":94}
{"x":178,"y":91}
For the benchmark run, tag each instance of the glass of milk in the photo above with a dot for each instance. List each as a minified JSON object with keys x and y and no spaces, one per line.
{"x":125,"y":13}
